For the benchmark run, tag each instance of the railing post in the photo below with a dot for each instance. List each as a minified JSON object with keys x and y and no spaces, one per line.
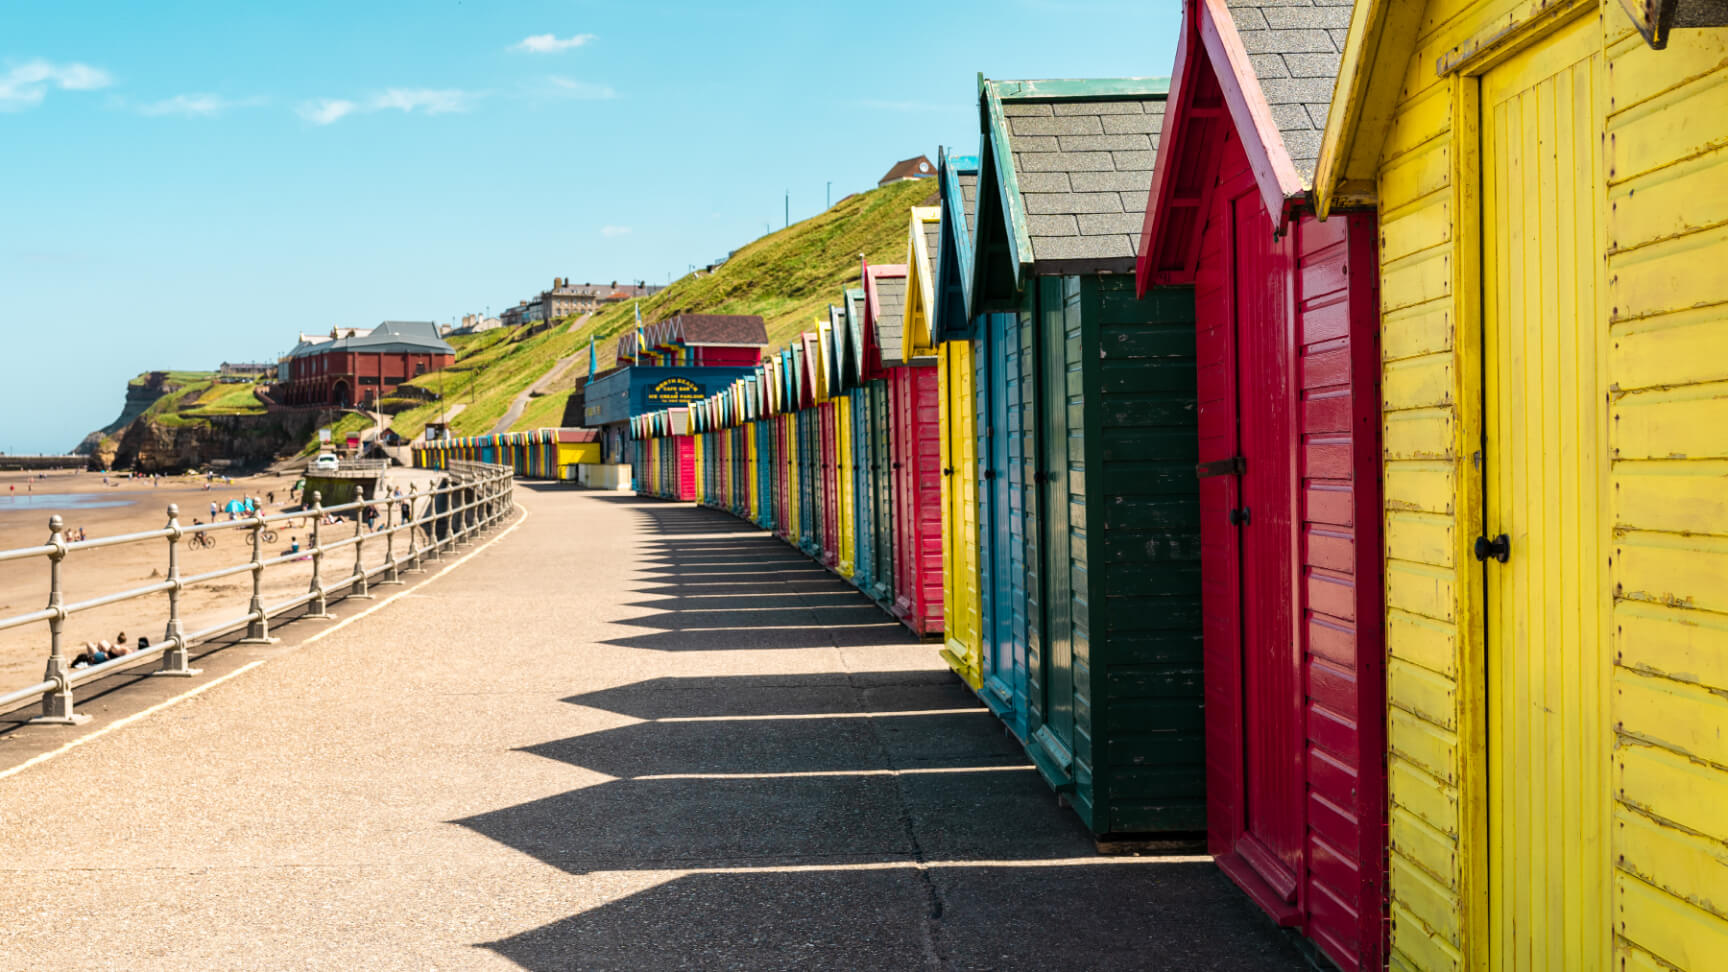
{"x":359,"y":588}
{"x":391,"y":574}
{"x":57,"y":702}
{"x":176,"y":656}
{"x":320,"y":605}
{"x":413,"y":531}
{"x":258,"y":629}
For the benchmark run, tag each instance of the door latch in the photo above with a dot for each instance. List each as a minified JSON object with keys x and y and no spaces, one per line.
{"x":1239,"y":516}
{"x":1499,"y":548}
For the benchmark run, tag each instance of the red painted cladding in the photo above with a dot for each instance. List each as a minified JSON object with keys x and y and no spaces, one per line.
{"x":916,"y":484}
{"x":1341,"y":605}
{"x":711,"y":356}
{"x":1288,"y":372}
{"x":686,"y":466}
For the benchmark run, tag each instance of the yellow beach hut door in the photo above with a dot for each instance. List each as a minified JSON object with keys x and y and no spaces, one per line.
{"x":1544,"y":502}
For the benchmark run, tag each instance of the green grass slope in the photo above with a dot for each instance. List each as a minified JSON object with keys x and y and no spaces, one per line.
{"x":789,"y":277}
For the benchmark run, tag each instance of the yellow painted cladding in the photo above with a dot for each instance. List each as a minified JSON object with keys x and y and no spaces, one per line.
{"x":917,"y":332}
{"x":753,"y":486}
{"x":1553,"y":203}
{"x":843,"y":460}
{"x":963,"y":649}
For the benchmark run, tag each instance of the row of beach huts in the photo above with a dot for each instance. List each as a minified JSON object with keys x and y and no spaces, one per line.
{"x":1325,"y":449}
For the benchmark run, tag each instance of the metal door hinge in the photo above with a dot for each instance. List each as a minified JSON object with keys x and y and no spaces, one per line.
{"x":1239,"y":516}
{"x":947,"y":470}
{"x":1233,"y":466}
{"x":1499,"y":548}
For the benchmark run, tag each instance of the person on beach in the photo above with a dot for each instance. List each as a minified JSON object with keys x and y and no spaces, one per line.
{"x":212,"y":511}
{"x":91,"y":655}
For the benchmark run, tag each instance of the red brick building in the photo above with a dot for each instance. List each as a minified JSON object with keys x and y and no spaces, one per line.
{"x":350,"y":368}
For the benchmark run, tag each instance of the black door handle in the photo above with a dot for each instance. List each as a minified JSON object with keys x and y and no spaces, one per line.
{"x":1239,"y":516}
{"x":1499,"y":548}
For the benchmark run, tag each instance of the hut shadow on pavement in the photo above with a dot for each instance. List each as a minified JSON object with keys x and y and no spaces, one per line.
{"x":719,"y":583}
{"x":832,"y":819}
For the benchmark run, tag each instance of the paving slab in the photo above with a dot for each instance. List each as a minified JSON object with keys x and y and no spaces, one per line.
{"x":626,"y":734}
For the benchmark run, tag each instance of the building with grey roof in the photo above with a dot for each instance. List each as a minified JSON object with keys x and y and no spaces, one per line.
{"x":353,"y":367}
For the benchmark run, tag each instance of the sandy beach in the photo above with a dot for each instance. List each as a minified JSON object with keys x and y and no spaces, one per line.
{"x":120,"y":506}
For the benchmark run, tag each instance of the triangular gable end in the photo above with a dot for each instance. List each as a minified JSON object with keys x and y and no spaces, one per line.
{"x":1070,"y":235}
{"x":918,"y":341}
{"x":951,"y":317}
{"x":1215,"y":89}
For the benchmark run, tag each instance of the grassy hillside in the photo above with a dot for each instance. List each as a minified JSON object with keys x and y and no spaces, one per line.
{"x":789,"y":277}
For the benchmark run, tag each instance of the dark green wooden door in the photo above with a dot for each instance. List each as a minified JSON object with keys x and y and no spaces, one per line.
{"x":1060,"y":396}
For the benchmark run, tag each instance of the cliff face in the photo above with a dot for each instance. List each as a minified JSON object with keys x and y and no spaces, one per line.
{"x":150,"y":445}
{"x":163,"y":428}
{"x":140,"y":395}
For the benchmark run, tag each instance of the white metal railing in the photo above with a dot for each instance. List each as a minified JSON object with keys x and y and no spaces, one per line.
{"x":475,"y":497}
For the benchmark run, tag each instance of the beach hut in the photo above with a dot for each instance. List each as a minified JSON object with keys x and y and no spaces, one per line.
{"x":915,"y":384}
{"x":1289,"y":468}
{"x":873,"y":422}
{"x":828,"y":444}
{"x":967,"y":545}
{"x":844,"y":379}
{"x":1097,"y":400}
{"x":1552,"y":193}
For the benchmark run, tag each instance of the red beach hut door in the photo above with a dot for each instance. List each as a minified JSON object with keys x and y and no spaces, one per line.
{"x":1247,"y":446}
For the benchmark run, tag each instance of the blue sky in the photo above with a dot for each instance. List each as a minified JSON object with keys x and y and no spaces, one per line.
{"x":183,"y":183}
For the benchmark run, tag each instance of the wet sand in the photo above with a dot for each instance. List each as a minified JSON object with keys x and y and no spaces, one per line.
{"x":142,"y":505}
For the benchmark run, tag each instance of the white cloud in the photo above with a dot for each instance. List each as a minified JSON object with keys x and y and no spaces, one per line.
{"x":614,"y":231}
{"x":432,"y":101}
{"x":551,"y":43}
{"x":197,"y":105}
{"x":25,"y":85}
{"x":586,"y":90}
{"x":325,"y":110}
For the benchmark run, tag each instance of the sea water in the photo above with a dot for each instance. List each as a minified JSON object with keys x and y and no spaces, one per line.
{"x":60,"y":501}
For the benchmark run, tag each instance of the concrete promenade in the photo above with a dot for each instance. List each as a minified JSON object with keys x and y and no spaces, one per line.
{"x":625,"y":735}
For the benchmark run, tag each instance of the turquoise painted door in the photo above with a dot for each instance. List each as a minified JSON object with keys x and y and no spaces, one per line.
{"x":881,"y":493}
{"x":863,"y":500}
{"x":1006,"y":680}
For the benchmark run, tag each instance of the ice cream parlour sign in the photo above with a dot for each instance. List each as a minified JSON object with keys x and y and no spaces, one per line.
{"x":674,"y":391}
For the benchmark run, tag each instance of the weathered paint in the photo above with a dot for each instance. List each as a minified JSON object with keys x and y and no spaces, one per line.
{"x":863,"y":499}
{"x":845,"y":495}
{"x":958,"y":438}
{"x":1289,"y":491}
{"x":881,"y":492}
{"x":1555,"y":764}
{"x":916,"y":481}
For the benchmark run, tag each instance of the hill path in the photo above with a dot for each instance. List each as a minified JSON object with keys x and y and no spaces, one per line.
{"x":520,"y":403}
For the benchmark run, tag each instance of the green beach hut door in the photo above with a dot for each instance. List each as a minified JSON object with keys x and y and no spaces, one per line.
{"x":1057,"y":391}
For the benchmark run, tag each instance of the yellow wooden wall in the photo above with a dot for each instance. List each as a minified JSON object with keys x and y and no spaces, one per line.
{"x":1667,"y":365}
{"x":843,"y":460}
{"x":1666,"y":151}
{"x":960,"y":598}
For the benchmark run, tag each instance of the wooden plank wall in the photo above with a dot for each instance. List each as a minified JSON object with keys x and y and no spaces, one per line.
{"x":1667,"y":182}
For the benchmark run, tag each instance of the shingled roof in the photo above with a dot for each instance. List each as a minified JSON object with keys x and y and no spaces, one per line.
{"x":1295,"y":47}
{"x":885,"y":303}
{"x":1063,"y":176}
{"x":740,"y":329}
{"x":951,"y":317}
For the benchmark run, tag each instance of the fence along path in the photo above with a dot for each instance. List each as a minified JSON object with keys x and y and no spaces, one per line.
{"x":627,"y":734}
{"x":476,"y":497}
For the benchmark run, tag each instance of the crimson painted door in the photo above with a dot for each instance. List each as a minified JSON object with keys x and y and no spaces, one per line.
{"x":917,"y":487}
{"x":1247,"y":445}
